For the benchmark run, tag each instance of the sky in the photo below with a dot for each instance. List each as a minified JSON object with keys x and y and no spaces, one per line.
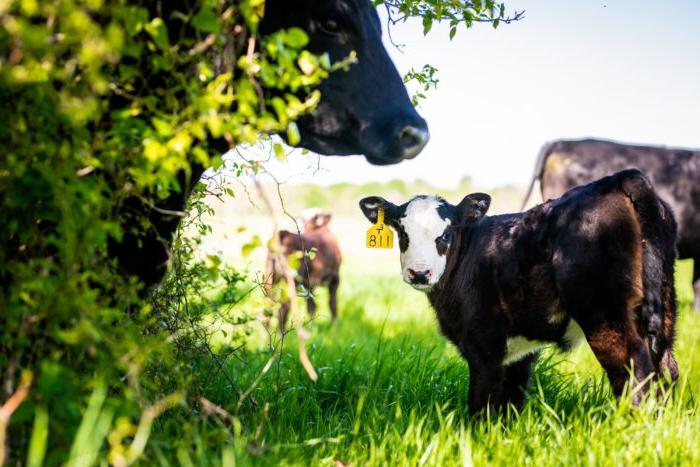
{"x":627,"y":70}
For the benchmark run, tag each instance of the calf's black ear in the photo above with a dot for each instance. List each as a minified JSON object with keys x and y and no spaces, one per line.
{"x":473,"y":207}
{"x":370,"y":206}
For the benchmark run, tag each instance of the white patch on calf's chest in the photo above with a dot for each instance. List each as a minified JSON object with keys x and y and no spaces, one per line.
{"x":519,"y":347}
{"x":574,"y":334}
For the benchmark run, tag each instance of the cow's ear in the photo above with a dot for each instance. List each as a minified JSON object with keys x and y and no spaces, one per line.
{"x":370,"y":206}
{"x":473,"y":207}
{"x":284,"y":235}
{"x":321,"y":220}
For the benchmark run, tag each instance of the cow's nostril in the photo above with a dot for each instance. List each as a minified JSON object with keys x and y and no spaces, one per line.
{"x":419,"y":277}
{"x":412,"y":140}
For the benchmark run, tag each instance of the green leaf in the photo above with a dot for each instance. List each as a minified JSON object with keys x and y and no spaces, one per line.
{"x":163,"y":127}
{"x":40,"y":433}
{"x":325,"y":61}
{"x":279,"y":151}
{"x":159,"y":33}
{"x":312,"y":253}
{"x":307,"y":62}
{"x":296,"y":38}
{"x":249,"y":247}
{"x":206,"y":20}
{"x":293,"y":136}
{"x":427,"y":24}
{"x":294,"y":260}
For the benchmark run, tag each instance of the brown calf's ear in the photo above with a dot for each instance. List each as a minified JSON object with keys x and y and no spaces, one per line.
{"x":321,"y":220}
{"x":284,"y":235}
{"x":370,"y":207}
{"x":473,"y":207}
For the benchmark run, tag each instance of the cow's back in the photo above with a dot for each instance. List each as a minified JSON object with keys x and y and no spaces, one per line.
{"x":675,"y":174}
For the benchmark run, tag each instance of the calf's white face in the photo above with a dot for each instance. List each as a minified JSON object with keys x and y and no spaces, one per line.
{"x":422,"y":262}
{"x":425,"y":226}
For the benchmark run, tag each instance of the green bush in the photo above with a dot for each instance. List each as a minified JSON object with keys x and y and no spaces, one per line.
{"x":103,"y":102}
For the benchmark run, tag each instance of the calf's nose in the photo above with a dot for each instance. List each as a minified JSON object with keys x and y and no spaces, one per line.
{"x":419,"y":277}
{"x":412,"y":138}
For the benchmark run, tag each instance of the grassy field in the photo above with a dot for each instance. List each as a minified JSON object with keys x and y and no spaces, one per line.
{"x":392,"y":390}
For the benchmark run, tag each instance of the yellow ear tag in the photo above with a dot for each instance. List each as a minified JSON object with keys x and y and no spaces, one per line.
{"x":380,"y":235}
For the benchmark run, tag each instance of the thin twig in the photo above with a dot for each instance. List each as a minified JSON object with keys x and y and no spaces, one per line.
{"x":302,"y":335}
{"x":211,"y":408}
{"x":6,"y":411}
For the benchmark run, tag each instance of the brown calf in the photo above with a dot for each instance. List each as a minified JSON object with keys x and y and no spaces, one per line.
{"x":319,"y":264}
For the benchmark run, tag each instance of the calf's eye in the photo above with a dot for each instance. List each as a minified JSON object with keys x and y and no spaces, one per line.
{"x":442,"y":242}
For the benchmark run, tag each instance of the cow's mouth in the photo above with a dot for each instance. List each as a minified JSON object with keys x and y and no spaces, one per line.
{"x":381,"y":145}
{"x":335,"y":146}
{"x":422,"y":287}
{"x":375,"y":160}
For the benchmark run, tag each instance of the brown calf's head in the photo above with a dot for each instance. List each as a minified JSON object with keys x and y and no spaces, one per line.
{"x":313,"y":219}
{"x":289,"y":242}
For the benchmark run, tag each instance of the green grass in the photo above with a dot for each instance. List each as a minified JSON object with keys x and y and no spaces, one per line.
{"x":392,"y":391}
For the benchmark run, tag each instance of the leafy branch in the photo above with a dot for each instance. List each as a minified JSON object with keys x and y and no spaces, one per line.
{"x":454,"y":12}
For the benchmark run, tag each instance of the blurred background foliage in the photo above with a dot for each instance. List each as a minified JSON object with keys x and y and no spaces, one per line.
{"x":106,"y":101}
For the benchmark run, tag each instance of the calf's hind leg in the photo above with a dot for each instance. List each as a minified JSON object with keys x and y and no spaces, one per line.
{"x":619,"y":349}
{"x":665,"y":361}
{"x":333,"y":297}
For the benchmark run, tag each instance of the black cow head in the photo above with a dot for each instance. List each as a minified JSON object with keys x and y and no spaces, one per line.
{"x":364,"y":110}
{"x":425,"y":226}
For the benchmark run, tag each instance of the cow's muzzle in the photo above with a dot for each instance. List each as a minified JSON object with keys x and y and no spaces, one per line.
{"x":405,"y":140}
{"x":412,"y":140}
{"x":418,"y":279}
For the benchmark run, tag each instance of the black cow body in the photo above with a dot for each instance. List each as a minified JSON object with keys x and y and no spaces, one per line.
{"x":596,"y":263}
{"x":675,"y":174}
{"x":348,"y":120}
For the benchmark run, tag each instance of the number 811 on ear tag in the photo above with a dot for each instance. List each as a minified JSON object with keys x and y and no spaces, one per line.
{"x":380,"y":235}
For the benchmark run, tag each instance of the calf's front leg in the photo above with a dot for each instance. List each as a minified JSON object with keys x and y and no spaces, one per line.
{"x":485,"y":381}
{"x":496,"y":386}
{"x":311,"y":304}
{"x":516,"y":381}
{"x":282,"y":314}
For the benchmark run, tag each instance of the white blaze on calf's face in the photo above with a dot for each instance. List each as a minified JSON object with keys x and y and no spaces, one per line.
{"x":423,"y":224}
